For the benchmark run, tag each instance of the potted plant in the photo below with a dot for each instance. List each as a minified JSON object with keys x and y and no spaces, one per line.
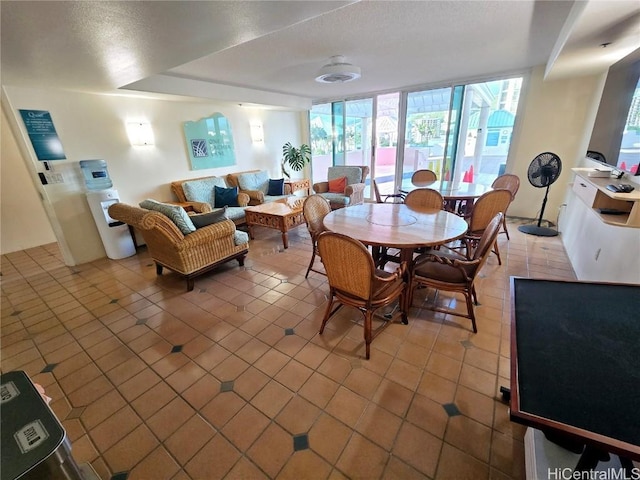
{"x":295,"y":158}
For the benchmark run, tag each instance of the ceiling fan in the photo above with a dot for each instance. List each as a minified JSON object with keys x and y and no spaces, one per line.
{"x":338,"y":71}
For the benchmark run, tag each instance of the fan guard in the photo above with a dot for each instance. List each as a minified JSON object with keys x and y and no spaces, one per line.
{"x":338,"y":71}
{"x":543,"y":171}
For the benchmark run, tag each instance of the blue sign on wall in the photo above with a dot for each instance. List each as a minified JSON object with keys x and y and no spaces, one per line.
{"x":42,"y":134}
{"x":210,"y":142}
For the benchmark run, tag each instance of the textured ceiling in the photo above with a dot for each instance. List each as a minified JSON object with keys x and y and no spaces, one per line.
{"x":228,"y":50}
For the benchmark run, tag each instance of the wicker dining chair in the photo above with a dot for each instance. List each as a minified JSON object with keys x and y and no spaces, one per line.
{"x":395,"y":197}
{"x":443,"y":271}
{"x":484,"y":210}
{"x":507,"y":182}
{"x":423,"y":176}
{"x":424,"y":199}
{"x":314,"y":209}
{"x":354,"y":281}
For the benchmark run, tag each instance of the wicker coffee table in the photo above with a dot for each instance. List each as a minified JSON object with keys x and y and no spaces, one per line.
{"x":279,"y":215}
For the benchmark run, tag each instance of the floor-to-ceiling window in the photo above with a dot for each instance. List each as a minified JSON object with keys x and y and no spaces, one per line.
{"x":463,"y":133}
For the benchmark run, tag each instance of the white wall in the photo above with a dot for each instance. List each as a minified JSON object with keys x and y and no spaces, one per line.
{"x":24,"y":221}
{"x":555,"y":116}
{"x":93,"y":127}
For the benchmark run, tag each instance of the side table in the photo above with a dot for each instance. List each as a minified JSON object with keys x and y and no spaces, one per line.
{"x":301,"y":184}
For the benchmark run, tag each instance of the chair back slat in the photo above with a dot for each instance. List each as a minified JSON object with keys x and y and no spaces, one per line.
{"x":424,"y":176}
{"x":314,"y":209}
{"x":488,"y":238}
{"x":424,"y":199}
{"x":348,"y":264}
{"x":486,"y":208}
{"x":507,"y":182}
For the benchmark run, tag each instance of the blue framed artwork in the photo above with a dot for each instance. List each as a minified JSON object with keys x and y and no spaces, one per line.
{"x":43,"y":135}
{"x":210,"y":142}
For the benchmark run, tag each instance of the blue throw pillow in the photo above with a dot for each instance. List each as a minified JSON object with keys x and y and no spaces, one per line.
{"x":276,"y":187}
{"x":226,"y":197}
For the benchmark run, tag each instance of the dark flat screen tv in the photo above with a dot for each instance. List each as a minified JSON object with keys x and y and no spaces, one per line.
{"x":616,"y":131}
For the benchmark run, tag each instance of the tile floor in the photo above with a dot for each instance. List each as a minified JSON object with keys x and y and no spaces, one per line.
{"x":232,"y":380}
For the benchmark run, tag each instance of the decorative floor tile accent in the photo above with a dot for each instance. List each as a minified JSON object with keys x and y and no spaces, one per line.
{"x":451,"y":409}
{"x":17,"y":312}
{"x":300,"y":442}
{"x":75,"y":413}
{"x":176,"y":349}
{"x":288,"y":331}
{"x":141,"y":321}
{"x":115,"y":300}
{"x":120,"y":476}
{"x":226,"y":386}
{"x":467,"y":344}
{"x":49,"y":368}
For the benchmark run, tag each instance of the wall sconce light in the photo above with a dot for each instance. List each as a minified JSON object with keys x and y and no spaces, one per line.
{"x":257,"y":135}
{"x":140,"y":133}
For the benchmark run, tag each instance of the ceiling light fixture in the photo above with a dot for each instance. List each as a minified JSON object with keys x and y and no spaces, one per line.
{"x":338,"y":71}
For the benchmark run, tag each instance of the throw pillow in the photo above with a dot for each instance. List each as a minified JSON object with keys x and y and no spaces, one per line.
{"x":202,"y":190}
{"x":226,"y":197}
{"x":254,"y":181}
{"x":203,"y":219}
{"x":338,"y":185}
{"x":276,"y":187}
{"x":176,"y":213}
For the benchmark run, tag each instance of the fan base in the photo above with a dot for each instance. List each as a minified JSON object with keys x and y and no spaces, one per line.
{"x":538,"y":231}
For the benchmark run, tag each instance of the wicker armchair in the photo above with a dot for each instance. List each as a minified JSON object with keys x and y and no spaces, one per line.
{"x":507,"y":182}
{"x":314,"y":209}
{"x":188,"y":255}
{"x":354,"y":281}
{"x":448,"y":272}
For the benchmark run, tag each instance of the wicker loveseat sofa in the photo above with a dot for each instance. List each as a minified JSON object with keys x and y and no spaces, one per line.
{"x":251,"y":191}
{"x":189,"y":254}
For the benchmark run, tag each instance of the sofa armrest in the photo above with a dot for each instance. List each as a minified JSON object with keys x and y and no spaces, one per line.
{"x":208,"y":234}
{"x":243,"y":199}
{"x":256,"y":197}
{"x":321,"y":187}
{"x":197,"y":207}
{"x":355,"y":192}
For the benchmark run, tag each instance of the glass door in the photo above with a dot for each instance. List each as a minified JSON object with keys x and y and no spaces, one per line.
{"x":383,"y":168}
{"x":426,"y":132}
{"x":486,"y":126}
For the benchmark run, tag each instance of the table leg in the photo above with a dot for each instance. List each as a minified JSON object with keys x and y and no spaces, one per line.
{"x":250,"y":228}
{"x":406,"y":255}
{"x":285,"y":239}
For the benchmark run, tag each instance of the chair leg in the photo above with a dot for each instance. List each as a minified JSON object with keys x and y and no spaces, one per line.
{"x":504,"y":225}
{"x":158,"y":269}
{"x":497,"y":252}
{"x":313,"y":259}
{"x":467,"y":296}
{"x":367,"y":332}
{"x":327,"y":313}
{"x":475,"y":295}
{"x":403,"y":303}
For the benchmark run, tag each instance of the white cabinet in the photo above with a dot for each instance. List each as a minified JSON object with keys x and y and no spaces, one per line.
{"x":600,"y":247}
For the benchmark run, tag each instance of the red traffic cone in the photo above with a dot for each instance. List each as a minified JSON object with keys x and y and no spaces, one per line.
{"x":470,"y":174}
{"x":465,"y":177}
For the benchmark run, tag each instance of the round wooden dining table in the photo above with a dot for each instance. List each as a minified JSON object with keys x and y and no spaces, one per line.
{"x":395,"y":225}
